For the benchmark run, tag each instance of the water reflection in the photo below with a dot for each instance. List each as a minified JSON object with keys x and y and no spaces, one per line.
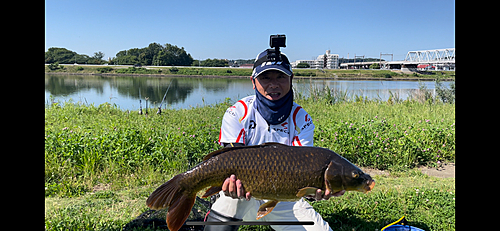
{"x":185,"y":92}
{"x":124,"y":91}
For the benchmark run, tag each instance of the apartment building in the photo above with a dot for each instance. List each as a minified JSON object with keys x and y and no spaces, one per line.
{"x":325,"y":61}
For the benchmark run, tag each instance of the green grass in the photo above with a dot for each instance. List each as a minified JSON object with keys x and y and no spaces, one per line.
{"x":382,"y":135}
{"x":89,"y":148}
{"x":427,"y":202}
{"x":108,"y":209}
{"x":89,"y":145}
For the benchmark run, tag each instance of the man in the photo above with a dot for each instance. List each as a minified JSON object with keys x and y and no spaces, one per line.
{"x":268,"y":116}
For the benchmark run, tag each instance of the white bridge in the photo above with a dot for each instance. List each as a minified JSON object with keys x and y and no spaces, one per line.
{"x":431,"y":56}
{"x":438,"y":59}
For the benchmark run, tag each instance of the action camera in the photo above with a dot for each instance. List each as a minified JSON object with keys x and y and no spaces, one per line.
{"x":277,"y":40}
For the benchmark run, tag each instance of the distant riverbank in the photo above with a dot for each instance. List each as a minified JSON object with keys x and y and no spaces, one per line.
{"x":227,"y":72}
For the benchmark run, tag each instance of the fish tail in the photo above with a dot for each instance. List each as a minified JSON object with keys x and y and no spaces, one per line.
{"x":178,"y":201}
{"x":179,"y":211}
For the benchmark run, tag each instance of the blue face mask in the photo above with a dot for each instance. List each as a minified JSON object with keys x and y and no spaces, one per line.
{"x":274,"y":111}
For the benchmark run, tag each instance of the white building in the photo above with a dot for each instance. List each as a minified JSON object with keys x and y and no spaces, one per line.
{"x":332,"y":61}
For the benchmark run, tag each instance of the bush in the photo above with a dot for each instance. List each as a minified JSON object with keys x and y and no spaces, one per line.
{"x":135,"y":70}
{"x":303,"y":65}
{"x":55,"y":66}
{"x":387,"y":143}
{"x":91,"y":143}
{"x":174,"y":70}
{"x":104,"y":69}
{"x":86,"y":144}
{"x":375,"y":66}
{"x":446,"y":95}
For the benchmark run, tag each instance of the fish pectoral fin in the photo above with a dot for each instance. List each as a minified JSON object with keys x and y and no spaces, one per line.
{"x":306,"y":191}
{"x":266,"y":208}
{"x":211,"y":191}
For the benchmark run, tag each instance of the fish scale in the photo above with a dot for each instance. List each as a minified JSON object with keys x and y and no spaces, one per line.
{"x":275,"y":164}
{"x":271,"y":171}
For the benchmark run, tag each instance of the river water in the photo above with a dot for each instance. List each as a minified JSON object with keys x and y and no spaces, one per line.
{"x":186,"y":92}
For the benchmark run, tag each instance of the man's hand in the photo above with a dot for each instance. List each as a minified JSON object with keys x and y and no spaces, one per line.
{"x":234,"y":188}
{"x":320,"y":196}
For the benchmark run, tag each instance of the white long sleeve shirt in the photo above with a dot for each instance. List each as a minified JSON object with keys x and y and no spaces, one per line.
{"x":242,"y":123}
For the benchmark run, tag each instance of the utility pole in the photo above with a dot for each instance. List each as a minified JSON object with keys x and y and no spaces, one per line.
{"x":380,"y":59}
{"x":361,"y":56}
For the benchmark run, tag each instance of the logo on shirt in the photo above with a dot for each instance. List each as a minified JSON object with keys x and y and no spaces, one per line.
{"x":252,"y":124}
{"x":284,"y":125}
{"x":283,"y":128}
{"x":230,"y":111}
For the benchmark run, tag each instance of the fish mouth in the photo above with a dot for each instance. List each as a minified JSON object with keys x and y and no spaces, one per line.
{"x":369,"y":185}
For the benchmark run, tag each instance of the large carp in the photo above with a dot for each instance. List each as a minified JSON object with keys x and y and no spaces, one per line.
{"x":271,"y":171}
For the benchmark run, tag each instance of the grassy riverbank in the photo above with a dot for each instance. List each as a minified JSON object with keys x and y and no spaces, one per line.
{"x":427,"y":202}
{"x":101,"y":163}
{"x":241,"y":72}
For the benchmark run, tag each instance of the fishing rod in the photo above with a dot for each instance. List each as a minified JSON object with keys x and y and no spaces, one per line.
{"x":140,"y":102}
{"x":159,"y":108}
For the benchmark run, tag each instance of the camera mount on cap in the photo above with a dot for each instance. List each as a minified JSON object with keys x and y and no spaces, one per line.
{"x":276,"y":41}
{"x":274,"y":54}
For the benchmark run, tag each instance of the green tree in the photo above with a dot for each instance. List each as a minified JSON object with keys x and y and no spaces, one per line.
{"x":303,"y":65}
{"x":215,"y":63}
{"x":196,"y":63}
{"x":154,"y":54}
{"x":125,"y":60}
{"x":60,"y":55}
{"x":150,"y":52}
{"x":96,"y":58}
{"x":375,"y":66}
{"x":80,"y":59}
{"x":63,"y":55}
{"x":177,"y":56}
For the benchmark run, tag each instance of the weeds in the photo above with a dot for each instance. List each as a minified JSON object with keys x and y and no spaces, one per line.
{"x":446,"y":95}
{"x":137,"y":70}
{"x":88,"y":146}
{"x":55,"y":66}
{"x":394,"y":134}
{"x":427,"y":203}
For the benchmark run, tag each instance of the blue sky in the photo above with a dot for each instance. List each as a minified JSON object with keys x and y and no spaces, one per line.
{"x":241,"y":29}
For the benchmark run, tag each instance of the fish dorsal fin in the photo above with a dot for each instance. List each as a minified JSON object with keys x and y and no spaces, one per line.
{"x":220,"y":151}
{"x":227,"y":149}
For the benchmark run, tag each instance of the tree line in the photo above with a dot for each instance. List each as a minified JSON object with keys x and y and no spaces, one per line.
{"x":154,"y":54}
{"x":65,"y":56}
{"x":358,"y":60}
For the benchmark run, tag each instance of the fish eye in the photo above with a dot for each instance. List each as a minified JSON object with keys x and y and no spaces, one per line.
{"x":355,"y":175}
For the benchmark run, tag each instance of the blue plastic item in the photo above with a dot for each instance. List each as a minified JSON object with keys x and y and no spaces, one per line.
{"x":402,"y":228}
{"x":400,"y":225}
